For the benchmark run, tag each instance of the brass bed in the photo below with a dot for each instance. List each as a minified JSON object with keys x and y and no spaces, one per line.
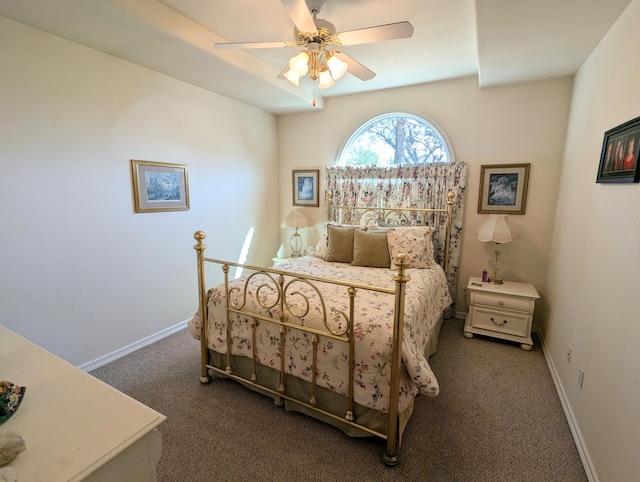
{"x":325,"y":338}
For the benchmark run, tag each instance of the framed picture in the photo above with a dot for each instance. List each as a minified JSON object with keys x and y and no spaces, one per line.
{"x":503,"y":188}
{"x":618,"y":160}
{"x":159,"y":186}
{"x":305,"y":188}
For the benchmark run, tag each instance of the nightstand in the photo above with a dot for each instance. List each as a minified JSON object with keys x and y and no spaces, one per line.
{"x":503,"y":311}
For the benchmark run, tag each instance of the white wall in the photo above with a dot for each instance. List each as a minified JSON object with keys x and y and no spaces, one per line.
{"x":523,"y":123}
{"x":594,"y":267}
{"x":80,"y":273}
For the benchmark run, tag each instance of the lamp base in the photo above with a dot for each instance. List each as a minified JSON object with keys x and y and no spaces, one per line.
{"x":296,"y":244}
{"x":496,"y":265}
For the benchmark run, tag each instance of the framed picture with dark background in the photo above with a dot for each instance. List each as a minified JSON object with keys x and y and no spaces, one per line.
{"x":619,"y":156}
{"x":503,"y":188}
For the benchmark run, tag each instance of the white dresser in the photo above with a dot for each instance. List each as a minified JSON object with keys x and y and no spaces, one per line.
{"x":75,"y":427}
{"x":501,"y":310}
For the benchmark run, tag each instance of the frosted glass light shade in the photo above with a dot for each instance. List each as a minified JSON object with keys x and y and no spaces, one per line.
{"x":300,"y":63}
{"x":325,"y":80}
{"x":292,"y":77}
{"x":337,"y":67}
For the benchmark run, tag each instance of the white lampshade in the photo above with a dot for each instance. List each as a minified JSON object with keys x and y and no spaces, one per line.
{"x":300,"y":63}
{"x":295,"y":219}
{"x":498,"y":229}
{"x":337,"y":67}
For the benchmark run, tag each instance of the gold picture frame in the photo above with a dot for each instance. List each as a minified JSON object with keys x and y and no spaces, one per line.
{"x":305,"y":188}
{"x":159,"y":186}
{"x":503,"y":188}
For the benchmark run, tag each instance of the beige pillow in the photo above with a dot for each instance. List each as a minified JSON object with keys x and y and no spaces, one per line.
{"x":339,"y":244}
{"x":370,"y":248}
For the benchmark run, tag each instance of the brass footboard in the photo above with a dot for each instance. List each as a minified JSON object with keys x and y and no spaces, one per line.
{"x":282,"y":298}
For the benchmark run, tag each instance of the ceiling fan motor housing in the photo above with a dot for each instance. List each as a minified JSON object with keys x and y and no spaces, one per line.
{"x":324,"y":35}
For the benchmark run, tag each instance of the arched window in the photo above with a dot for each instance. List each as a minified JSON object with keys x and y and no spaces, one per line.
{"x":395,"y":139}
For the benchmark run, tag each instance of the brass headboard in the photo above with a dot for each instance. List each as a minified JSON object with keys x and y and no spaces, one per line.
{"x":395,"y":216}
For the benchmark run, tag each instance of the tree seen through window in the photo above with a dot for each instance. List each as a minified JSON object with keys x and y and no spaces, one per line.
{"x":394,"y":140}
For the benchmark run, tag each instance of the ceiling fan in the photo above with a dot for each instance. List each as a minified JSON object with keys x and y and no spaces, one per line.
{"x":321,"y":58}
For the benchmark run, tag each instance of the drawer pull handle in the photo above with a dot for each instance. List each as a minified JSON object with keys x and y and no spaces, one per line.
{"x":501,"y":303}
{"x":504,"y":322}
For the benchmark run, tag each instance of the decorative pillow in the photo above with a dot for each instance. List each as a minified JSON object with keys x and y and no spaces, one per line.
{"x":370,"y":248}
{"x":340,"y":243}
{"x":320,"y":251}
{"x":415,"y":242}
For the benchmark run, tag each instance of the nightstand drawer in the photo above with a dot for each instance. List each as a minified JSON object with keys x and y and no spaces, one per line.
{"x":510,"y":323}
{"x":502,"y":302}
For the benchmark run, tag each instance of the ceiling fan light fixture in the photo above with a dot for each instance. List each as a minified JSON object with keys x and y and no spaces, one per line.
{"x":317,"y":36}
{"x":300,"y":63}
{"x":325,"y":80}
{"x":336,"y":66}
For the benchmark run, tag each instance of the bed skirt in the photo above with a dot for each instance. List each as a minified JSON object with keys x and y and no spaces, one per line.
{"x":326,"y":400}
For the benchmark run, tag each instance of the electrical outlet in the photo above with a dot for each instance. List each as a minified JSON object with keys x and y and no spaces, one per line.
{"x":580,"y":377}
{"x":569,"y":352}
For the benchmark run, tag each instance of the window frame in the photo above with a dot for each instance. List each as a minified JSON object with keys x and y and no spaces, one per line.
{"x":434,"y":126}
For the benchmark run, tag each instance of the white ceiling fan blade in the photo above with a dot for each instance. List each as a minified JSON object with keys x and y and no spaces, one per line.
{"x":355,"y":68}
{"x":300,"y":14}
{"x":251,"y":45}
{"x":380,"y":33}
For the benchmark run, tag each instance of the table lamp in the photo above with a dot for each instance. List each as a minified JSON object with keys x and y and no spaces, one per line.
{"x":295,"y":220}
{"x":499,"y":230}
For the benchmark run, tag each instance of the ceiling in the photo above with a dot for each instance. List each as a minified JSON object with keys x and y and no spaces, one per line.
{"x":501,"y":41}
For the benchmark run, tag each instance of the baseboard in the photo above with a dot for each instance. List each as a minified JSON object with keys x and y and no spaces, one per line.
{"x":573,"y":424}
{"x":103,"y":360}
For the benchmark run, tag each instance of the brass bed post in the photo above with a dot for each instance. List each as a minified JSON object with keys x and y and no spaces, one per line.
{"x":401,"y":278}
{"x":447,"y":238}
{"x":352,"y":354}
{"x":225,"y":270}
{"x":328,"y":206}
{"x":202,"y":295}
{"x":283,"y":333}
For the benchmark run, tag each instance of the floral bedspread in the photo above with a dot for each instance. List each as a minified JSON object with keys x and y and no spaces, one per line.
{"x":427,"y":296}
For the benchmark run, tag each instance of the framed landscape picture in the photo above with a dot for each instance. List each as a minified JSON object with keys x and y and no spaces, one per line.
{"x":159,"y":186}
{"x":619,"y":156}
{"x":503,"y":188}
{"x":305,"y":188}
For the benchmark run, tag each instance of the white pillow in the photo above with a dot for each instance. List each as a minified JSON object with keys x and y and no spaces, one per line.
{"x":415,"y":242}
{"x":320,"y":251}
